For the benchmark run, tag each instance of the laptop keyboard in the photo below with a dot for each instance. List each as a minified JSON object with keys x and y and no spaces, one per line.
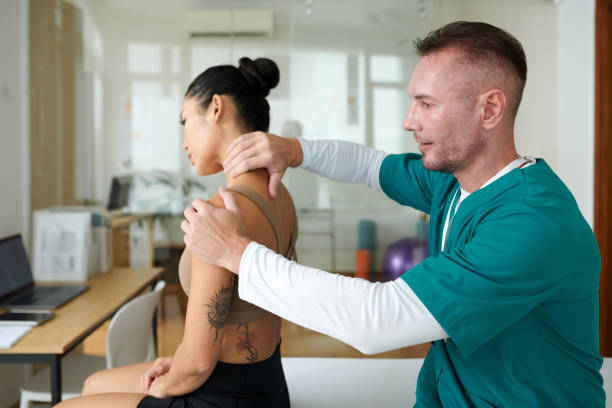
{"x":34,"y":295}
{"x":43,"y":296}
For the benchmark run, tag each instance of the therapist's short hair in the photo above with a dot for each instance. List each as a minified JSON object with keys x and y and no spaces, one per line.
{"x":484,"y":44}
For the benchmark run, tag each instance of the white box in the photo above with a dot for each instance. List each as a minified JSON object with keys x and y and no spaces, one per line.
{"x":64,"y":247}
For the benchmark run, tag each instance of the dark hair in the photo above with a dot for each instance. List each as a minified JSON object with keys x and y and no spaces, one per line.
{"x":247,"y":85}
{"x":483,"y":44}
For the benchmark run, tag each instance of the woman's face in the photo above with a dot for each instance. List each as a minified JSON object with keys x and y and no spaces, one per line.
{"x":203,"y":139}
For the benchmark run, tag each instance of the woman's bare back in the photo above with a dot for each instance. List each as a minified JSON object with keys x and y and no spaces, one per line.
{"x":252,"y":341}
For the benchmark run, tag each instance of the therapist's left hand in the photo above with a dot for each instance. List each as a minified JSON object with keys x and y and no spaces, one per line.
{"x":216,"y":235}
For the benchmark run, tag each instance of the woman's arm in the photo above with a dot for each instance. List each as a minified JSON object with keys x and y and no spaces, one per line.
{"x":210,"y":293}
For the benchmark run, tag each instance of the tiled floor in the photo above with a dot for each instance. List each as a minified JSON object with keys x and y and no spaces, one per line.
{"x":297,"y":341}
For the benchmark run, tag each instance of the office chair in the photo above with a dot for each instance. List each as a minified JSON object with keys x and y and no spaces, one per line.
{"x":129,"y":340}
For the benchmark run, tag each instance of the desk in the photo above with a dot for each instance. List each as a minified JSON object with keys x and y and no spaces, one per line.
{"x":77,"y":319}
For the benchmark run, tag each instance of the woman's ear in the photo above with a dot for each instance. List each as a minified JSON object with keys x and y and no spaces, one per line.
{"x":217,"y":105}
{"x":493,"y":108}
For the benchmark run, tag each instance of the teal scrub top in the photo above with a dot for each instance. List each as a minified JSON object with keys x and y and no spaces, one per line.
{"x":515,"y":289}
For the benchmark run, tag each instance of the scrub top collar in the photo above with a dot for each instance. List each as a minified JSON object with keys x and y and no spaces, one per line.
{"x":461,"y":194}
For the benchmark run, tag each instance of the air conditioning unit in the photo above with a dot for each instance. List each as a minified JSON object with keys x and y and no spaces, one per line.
{"x":228,"y":22}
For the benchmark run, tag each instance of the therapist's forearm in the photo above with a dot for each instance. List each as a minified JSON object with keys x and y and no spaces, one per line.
{"x":342,"y":161}
{"x":372,"y":317}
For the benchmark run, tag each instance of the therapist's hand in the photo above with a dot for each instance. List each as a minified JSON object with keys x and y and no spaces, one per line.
{"x":216,"y":235}
{"x":263,"y":150}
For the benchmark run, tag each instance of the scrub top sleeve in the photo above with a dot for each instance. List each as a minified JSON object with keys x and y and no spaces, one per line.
{"x":513,"y":263}
{"x":404,"y":179}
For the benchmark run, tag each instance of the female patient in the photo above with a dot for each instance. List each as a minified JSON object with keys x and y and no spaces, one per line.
{"x":229,"y":355}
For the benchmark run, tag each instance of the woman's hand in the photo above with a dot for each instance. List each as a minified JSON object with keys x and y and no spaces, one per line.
{"x":263,"y":150}
{"x":160,"y":366}
{"x":156,"y":389}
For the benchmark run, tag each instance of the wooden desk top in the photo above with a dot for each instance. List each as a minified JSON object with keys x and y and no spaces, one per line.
{"x":125,"y":219}
{"x":107,"y":292}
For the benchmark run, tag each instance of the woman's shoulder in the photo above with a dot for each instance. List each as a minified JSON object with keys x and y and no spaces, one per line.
{"x":257,"y":181}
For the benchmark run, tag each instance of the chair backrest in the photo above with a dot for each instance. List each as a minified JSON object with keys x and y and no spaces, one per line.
{"x":130,"y":334}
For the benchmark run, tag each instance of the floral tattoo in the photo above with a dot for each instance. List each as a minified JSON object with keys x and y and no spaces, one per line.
{"x":244,"y":342}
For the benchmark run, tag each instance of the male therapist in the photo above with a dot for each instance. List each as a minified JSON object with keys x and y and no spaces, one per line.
{"x":509,"y":295}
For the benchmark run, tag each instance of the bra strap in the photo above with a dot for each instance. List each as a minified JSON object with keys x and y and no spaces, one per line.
{"x":291,"y":253}
{"x":262,"y":205}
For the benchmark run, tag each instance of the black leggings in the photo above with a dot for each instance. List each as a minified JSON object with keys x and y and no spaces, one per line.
{"x":260,"y":384}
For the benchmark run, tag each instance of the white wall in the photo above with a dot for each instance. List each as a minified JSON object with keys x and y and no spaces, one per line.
{"x":556,"y":118}
{"x":14,"y":117}
{"x":14,"y":148}
{"x":534,"y":24}
{"x":576,"y":92}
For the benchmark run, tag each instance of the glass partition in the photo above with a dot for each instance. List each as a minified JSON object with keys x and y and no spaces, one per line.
{"x":345,"y":66}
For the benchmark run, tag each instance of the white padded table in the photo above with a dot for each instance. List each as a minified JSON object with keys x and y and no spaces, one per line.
{"x":362,"y":382}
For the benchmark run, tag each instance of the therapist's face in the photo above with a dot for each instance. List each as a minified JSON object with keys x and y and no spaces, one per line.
{"x":443,"y":115}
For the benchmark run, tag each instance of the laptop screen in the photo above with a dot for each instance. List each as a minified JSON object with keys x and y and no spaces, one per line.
{"x":120,"y":191}
{"x":14,"y":265}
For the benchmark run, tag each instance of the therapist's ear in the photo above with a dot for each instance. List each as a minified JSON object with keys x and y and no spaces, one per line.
{"x":493,"y":105}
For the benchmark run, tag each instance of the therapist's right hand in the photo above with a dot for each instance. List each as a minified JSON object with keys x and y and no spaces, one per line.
{"x":160,"y":366}
{"x":257,"y":150}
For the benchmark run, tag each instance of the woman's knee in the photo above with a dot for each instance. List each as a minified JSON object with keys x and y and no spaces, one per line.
{"x":96,"y":383}
{"x":69,"y":403}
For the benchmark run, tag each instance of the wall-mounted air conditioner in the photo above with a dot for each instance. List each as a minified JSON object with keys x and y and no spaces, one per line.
{"x":226,"y":22}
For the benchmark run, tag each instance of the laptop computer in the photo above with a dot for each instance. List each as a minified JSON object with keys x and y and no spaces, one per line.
{"x":17,"y":289}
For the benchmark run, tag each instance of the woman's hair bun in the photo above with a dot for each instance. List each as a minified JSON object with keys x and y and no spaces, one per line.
{"x":262,"y":74}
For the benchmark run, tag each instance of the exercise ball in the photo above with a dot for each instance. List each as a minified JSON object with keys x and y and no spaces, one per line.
{"x":402,"y":256}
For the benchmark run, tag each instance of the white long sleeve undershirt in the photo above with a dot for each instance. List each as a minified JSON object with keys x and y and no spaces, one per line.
{"x":372,"y":317}
{"x":342,"y":161}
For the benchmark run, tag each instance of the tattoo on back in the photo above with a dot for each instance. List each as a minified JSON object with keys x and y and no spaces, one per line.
{"x":218,"y":308}
{"x":244,"y":342}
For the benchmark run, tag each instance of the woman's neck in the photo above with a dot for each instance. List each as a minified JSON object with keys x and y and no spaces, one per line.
{"x":260,"y":174}
{"x":231,"y":133}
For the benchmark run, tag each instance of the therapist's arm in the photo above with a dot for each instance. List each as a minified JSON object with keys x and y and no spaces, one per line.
{"x":334,"y":159}
{"x":372,"y":317}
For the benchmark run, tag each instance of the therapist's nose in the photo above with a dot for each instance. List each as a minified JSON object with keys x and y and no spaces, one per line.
{"x":411,"y":124}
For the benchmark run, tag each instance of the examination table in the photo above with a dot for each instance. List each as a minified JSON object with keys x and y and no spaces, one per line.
{"x":361,"y":382}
